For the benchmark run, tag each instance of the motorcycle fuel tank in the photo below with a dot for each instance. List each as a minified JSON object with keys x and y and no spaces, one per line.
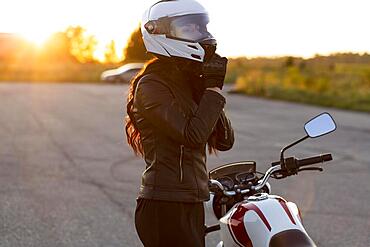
{"x":256,"y":220}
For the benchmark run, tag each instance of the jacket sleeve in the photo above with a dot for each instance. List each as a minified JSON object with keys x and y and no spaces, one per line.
{"x":224,"y":133}
{"x":157,"y":104}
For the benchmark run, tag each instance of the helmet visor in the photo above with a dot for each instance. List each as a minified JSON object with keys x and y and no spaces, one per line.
{"x":191,"y":28}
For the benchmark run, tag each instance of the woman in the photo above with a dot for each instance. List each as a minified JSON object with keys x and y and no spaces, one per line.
{"x":175,"y":108}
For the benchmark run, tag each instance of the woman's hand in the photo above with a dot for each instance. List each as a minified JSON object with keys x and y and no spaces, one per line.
{"x":214,"y":71}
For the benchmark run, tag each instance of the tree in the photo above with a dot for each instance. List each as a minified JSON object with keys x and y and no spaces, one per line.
{"x":82,"y":45}
{"x":135,"y":49}
{"x":110,"y":54}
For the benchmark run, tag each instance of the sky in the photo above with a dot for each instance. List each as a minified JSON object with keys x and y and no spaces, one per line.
{"x":241,"y":27}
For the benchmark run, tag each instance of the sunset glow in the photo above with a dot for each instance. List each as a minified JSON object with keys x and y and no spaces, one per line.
{"x":242,"y":28}
{"x":36,"y":38}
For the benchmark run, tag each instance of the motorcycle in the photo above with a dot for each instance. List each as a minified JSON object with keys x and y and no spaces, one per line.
{"x":248,"y":214}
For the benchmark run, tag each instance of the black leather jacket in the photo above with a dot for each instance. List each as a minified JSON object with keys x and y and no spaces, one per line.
{"x":174,"y":130}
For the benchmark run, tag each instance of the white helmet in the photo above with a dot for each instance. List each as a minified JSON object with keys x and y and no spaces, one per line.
{"x":178,"y":28}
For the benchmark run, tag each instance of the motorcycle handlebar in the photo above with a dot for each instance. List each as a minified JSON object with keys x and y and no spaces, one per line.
{"x":296,"y":163}
{"x":314,"y":160}
{"x":276,"y":167}
{"x":224,"y":191}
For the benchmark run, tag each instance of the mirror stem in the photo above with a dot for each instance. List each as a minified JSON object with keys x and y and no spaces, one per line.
{"x":282,"y":160}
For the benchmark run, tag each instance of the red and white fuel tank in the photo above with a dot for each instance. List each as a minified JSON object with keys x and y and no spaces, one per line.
{"x":264,"y":221}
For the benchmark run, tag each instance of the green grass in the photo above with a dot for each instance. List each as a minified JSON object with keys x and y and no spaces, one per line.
{"x":341,"y":85}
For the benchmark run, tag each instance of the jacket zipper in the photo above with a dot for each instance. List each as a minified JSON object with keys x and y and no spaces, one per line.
{"x":181,"y":160}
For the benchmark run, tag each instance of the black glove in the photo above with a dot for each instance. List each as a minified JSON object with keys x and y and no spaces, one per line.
{"x":213,"y":71}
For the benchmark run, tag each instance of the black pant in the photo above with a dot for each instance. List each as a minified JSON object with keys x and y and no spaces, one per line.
{"x":170,"y":224}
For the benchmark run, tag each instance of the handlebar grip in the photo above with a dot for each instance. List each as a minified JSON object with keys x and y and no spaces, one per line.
{"x":313,"y":160}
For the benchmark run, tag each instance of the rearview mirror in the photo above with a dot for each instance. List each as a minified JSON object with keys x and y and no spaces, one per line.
{"x":321,"y":125}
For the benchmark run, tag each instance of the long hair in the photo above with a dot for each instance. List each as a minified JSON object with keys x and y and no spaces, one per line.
{"x":132,"y":131}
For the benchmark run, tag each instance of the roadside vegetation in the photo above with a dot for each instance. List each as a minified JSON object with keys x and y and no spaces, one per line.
{"x":338,"y":80}
{"x":54,"y":72}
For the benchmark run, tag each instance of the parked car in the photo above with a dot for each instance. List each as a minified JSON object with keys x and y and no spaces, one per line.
{"x":122,"y":74}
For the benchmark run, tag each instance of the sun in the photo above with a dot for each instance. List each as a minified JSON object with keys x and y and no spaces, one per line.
{"x":38,"y":38}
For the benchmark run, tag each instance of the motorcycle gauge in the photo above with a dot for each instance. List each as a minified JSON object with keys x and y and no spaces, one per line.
{"x":227,"y":182}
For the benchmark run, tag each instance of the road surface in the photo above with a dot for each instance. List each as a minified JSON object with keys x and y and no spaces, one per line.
{"x":67,"y":177}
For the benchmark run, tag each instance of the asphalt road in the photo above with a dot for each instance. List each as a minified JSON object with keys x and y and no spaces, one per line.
{"x":67,"y":178}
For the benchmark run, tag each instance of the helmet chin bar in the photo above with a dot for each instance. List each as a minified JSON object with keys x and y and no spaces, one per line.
{"x":160,"y":44}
